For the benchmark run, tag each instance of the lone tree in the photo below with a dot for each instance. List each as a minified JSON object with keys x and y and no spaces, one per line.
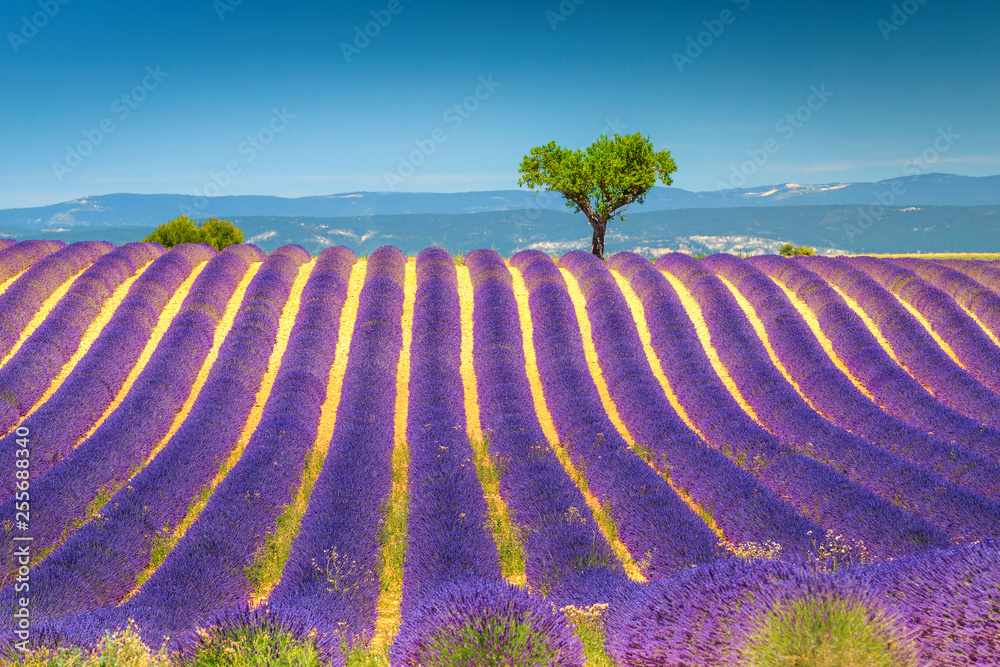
{"x":214,"y":232}
{"x":601,"y":181}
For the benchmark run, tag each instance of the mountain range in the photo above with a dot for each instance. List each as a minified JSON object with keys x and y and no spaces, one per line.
{"x":928,"y":213}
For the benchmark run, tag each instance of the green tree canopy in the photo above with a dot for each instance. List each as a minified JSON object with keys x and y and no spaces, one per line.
{"x":602,"y":180}
{"x":788,"y":250}
{"x":216,"y":233}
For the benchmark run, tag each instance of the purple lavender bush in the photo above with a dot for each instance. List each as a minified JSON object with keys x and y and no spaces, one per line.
{"x":488,"y":625}
{"x":755,"y":614}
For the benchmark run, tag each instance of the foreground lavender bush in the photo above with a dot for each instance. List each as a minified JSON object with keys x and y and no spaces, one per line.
{"x":486,"y":625}
{"x":950,"y":598}
{"x":735,"y":613}
{"x":257,"y":636}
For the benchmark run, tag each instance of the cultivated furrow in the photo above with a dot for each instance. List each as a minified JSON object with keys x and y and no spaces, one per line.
{"x":653,"y":521}
{"x":909,"y":343}
{"x":99,"y":564}
{"x":856,"y":347}
{"x":825,"y":495}
{"x":944,"y":321}
{"x":959,"y":512}
{"x":796,"y":351}
{"x":333,"y":570}
{"x":566,"y":556}
{"x":209,"y":569}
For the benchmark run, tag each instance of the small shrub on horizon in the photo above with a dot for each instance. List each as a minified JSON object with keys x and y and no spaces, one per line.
{"x":217,"y":233}
{"x":788,"y":250}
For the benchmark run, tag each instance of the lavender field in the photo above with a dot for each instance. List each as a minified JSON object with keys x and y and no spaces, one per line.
{"x":388,"y":454}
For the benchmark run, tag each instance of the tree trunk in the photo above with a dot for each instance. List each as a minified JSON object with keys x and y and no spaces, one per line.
{"x":597,"y":243}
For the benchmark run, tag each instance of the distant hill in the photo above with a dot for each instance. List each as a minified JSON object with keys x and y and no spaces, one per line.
{"x":744,"y":229}
{"x":143,"y":210}
{"x":932,"y":213}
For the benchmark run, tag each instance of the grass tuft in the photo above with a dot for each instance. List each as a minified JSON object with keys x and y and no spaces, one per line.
{"x":829,"y":632}
{"x":588,"y":625}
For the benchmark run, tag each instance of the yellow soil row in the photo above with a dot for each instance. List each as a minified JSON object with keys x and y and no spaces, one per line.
{"x":393,"y":556}
{"x":43,"y":312}
{"x":761,"y":331}
{"x":632,"y":568}
{"x":504,"y":532}
{"x":813,"y":323}
{"x":108,"y":311}
{"x":167,"y":316}
{"x":590,"y":352}
{"x":10,"y":281}
{"x":221,"y":330}
{"x":694,"y":312}
{"x":874,"y":329}
{"x":285,"y":322}
{"x":274,"y":552}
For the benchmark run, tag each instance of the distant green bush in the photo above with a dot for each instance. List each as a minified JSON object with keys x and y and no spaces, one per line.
{"x":788,"y":250}
{"x":216,"y":233}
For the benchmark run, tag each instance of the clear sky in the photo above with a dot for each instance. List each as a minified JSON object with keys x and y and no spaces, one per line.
{"x":294,"y":98}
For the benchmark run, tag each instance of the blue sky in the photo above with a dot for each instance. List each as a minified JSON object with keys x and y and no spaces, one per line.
{"x":262,"y":97}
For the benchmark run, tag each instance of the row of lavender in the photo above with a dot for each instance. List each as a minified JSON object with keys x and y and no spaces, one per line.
{"x":558,"y":549}
{"x":940,"y":607}
{"x":824,"y":493}
{"x":85,"y":394}
{"x":99,"y":564}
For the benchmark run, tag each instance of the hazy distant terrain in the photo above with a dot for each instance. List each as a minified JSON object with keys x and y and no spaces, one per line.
{"x":932,"y":213}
